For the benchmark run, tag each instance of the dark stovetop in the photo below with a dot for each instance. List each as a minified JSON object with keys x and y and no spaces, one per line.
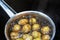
{"x":52,"y":9}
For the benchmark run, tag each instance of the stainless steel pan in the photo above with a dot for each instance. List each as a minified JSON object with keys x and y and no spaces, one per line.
{"x":15,"y":16}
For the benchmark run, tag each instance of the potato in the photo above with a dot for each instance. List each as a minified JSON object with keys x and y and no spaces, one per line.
{"x":35,"y":27}
{"x":23,"y":21}
{"x":27,"y":37}
{"x":36,"y":34}
{"x":19,"y":39}
{"x":14,"y":35}
{"x":45,"y":37}
{"x":45,"y":29}
{"x":26,"y":28}
{"x":37,"y":39}
{"x":16,"y":27}
{"x":32,"y":20}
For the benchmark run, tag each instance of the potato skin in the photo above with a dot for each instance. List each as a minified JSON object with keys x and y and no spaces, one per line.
{"x":26,"y":28}
{"x":37,"y":39}
{"x":45,"y":30}
{"x":35,"y":27}
{"x":27,"y":36}
{"x":19,"y":39}
{"x":16,"y":28}
{"x":45,"y":37}
{"x":14,"y":35}
{"x":36,"y":34}
{"x":32,"y":20}
{"x":23,"y":21}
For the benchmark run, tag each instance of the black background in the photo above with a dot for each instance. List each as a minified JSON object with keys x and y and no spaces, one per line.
{"x":49,"y":7}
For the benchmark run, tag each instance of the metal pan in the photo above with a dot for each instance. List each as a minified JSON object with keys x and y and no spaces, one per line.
{"x":15,"y":16}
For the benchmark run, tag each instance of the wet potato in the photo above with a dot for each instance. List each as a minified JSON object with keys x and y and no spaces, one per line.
{"x":14,"y":35}
{"x":26,"y":28}
{"x":36,"y":34}
{"x":19,"y":39}
{"x":45,"y":37}
{"x":45,"y":29}
{"x":23,"y":21}
{"x":16,"y":27}
{"x":30,"y":30}
{"x":37,"y":39}
{"x":32,"y":20}
{"x":27,"y":37}
{"x":36,"y":26}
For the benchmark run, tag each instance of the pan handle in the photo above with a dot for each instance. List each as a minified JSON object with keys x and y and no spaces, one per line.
{"x":6,"y":9}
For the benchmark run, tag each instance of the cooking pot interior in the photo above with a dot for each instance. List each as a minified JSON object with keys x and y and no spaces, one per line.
{"x":41,"y":19}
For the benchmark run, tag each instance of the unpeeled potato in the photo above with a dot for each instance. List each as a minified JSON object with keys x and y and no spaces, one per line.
{"x":26,"y":28}
{"x":32,"y":20}
{"x":45,"y":29}
{"x":37,"y":39}
{"x":27,"y":37}
{"x":36,"y":34}
{"x":14,"y":35}
{"x":23,"y":21}
{"x":35,"y":27}
{"x":19,"y":39}
{"x":16,"y":27}
{"x":45,"y":37}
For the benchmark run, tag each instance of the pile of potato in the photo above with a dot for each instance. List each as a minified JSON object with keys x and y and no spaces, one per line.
{"x":30,"y":30}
